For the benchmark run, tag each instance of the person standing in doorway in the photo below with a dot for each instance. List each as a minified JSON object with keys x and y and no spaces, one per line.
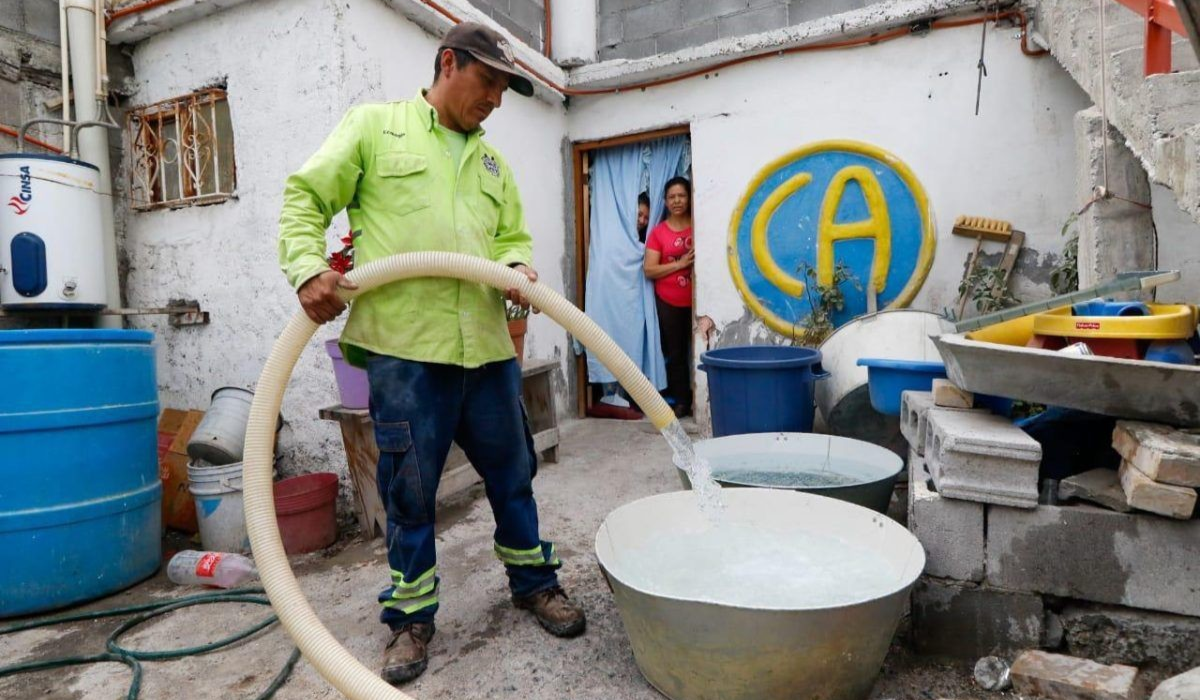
{"x":670,"y":254}
{"x":643,"y":216}
{"x":417,"y":176}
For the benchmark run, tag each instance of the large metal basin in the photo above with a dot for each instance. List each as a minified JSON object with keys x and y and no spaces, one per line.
{"x":843,"y":400}
{"x":691,"y":649}
{"x":751,"y":460}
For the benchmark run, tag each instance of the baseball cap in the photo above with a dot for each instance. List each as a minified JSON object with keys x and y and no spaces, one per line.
{"x":489,"y":47}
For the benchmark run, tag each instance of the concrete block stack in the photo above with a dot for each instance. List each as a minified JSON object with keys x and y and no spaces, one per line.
{"x":1008,"y":571}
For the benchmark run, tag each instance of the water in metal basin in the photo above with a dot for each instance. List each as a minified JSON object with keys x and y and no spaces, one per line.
{"x":742,"y":565}
{"x":774,"y":470}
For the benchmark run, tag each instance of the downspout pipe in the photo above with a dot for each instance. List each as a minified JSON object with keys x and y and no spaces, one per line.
{"x":83,"y":38}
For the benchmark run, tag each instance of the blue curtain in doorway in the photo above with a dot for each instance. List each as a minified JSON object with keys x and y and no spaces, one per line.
{"x":618,"y":296}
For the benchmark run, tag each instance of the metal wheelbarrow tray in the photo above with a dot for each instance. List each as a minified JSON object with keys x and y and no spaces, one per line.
{"x":1137,"y":389}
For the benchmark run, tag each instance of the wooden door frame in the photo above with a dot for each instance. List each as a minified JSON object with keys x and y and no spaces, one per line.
{"x":580,"y":151}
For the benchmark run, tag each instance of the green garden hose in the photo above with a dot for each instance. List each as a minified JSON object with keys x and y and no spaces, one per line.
{"x":132,"y":657}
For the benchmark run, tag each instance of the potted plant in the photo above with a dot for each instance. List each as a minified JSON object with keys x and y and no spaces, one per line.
{"x":518,"y":324}
{"x":353,"y":387}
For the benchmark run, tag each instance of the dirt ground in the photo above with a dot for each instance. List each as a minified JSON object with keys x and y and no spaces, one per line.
{"x":483,"y":648}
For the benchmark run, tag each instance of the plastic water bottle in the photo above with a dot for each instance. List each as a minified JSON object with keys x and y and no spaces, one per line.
{"x":220,"y":569}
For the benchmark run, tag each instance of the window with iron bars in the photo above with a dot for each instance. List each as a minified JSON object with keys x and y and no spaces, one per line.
{"x":182,"y":152}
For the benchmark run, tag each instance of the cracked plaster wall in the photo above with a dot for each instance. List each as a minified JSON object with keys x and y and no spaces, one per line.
{"x":292,"y":68}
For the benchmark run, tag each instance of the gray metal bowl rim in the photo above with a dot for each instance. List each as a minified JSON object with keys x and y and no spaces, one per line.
{"x":888,"y":522}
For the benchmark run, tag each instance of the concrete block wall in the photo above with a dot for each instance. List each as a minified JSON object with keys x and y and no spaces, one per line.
{"x":29,"y":67}
{"x":526,"y":19}
{"x":999,"y":578}
{"x":639,"y":28}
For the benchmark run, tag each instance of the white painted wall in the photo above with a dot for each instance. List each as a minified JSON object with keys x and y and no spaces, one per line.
{"x":914,"y":97}
{"x":292,"y":68}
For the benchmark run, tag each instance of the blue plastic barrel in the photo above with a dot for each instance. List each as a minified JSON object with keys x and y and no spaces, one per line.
{"x":761,"y":388}
{"x":80,"y":497}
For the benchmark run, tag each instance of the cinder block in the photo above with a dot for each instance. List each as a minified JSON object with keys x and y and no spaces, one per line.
{"x":914,"y":405}
{"x":1160,"y":452}
{"x":753,"y":21}
{"x":914,"y":410}
{"x":1116,"y":635}
{"x":950,"y":531}
{"x":978,"y":456}
{"x":708,"y":11}
{"x":1146,"y":494}
{"x":916,"y":466}
{"x":1041,"y":674}
{"x":967,"y":621}
{"x":806,"y":10}
{"x":1088,"y":553}
{"x":687,"y":37}
{"x":652,"y":19}
{"x":608,"y":30}
{"x":628,"y":49}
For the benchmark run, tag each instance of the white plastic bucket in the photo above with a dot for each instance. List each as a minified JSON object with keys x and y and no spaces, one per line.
{"x":221,"y":435}
{"x":220,"y":514}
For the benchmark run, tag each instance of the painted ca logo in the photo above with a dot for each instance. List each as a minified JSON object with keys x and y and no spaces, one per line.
{"x":17,"y":205}
{"x":830,"y":203}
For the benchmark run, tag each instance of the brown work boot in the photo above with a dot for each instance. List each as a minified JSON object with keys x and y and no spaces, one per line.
{"x":407,"y":654}
{"x":554,"y":611}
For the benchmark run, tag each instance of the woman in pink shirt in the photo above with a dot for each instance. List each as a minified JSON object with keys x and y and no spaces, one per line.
{"x":669,"y":256}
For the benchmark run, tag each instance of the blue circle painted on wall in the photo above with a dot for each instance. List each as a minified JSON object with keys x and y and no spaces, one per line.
{"x":830,"y":203}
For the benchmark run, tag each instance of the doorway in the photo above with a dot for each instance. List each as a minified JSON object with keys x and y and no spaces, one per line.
{"x":610,"y":177}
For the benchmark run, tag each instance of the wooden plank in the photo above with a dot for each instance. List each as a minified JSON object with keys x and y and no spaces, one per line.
{"x":582,"y":241}
{"x":361,"y":459}
{"x":545,"y":443}
{"x":634,"y":138}
{"x":535,"y":367}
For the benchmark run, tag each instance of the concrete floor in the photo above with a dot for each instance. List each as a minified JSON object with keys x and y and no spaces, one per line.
{"x":484,"y":648}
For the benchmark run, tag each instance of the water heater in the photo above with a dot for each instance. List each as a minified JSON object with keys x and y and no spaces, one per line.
{"x":51,"y":238}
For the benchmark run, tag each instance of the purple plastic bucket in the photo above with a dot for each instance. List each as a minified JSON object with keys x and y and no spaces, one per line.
{"x":352,"y":383}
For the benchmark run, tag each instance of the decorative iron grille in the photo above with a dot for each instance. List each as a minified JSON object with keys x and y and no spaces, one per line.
{"x":182,"y":152}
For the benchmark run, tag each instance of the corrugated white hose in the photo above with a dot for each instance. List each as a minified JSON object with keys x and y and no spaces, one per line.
{"x":319,"y":647}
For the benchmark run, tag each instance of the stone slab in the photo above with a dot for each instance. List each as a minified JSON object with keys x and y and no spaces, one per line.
{"x":977,"y":456}
{"x":951,"y":531}
{"x":1144,"y":493}
{"x":1185,"y":686}
{"x":947,"y":395}
{"x":1100,"y":486}
{"x":966,"y":621}
{"x":1163,"y":453}
{"x":1061,"y":677}
{"x":1117,"y":635}
{"x":1097,"y":555}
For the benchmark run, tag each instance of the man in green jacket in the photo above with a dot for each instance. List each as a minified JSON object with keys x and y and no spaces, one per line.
{"x":417,"y":176}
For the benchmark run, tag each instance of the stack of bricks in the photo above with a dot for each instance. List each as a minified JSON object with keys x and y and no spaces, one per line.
{"x":1002,"y":563}
{"x":1160,"y":468}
